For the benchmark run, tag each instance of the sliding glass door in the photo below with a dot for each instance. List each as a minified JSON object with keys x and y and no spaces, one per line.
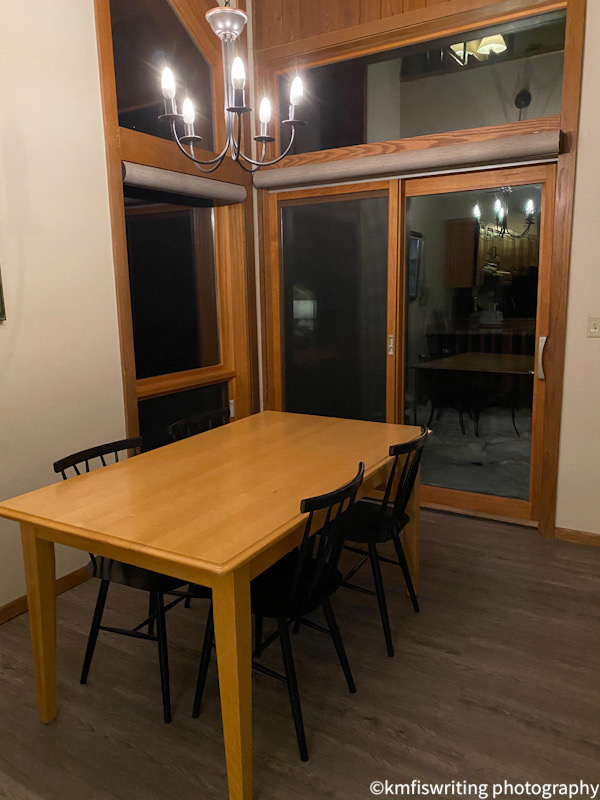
{"x":336,"y":259}
{"x":476,"y":278}
{"x":428,"y":311}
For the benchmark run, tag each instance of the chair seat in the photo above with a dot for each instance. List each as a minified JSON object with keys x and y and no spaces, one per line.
{"x":367,"y":524}
{"x":108,"y":569}
{"x":271,"y":591}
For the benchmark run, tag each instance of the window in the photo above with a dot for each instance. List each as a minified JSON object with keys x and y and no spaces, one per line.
{"x":147,"y":36}
{"x":490,"y":77}
{"x":173,"y":286}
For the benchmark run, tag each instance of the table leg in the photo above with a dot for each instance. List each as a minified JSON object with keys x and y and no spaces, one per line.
{"x":40,"y":577}
{"x":410,"y":534}
{"x":233,"y":635}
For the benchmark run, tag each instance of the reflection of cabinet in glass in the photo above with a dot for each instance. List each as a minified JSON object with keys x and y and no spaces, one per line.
{"x":461,"y":253}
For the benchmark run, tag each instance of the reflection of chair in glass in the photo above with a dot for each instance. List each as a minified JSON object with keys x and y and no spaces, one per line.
{"x":441,"y":390}
{"x":198,"y":423}
{"x":375,"y":523}
{"x":298,"y":584}
{"x":108,"y":571}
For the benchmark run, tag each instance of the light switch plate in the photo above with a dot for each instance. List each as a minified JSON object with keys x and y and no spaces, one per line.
{"x":593,"y":328}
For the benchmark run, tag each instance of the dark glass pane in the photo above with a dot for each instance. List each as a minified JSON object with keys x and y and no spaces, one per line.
{"x":160,"y":412}
{"x":470,"y":336}
{"x":434,"y":87}
{"x":147,"y":36}
{"x":334,"y":299}
{"x":173,"y":288}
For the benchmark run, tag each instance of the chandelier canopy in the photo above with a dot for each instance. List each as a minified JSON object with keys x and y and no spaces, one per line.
{"x":228,"y":23}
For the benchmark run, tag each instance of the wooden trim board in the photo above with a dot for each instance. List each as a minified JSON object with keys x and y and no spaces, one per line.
{"x":19,"y":606}
{"x":578,"y":537}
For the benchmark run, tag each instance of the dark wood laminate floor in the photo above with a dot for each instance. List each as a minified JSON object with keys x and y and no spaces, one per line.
{"x":497,"y":677}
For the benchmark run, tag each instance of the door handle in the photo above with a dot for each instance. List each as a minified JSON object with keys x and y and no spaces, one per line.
{"x":541,"y":347}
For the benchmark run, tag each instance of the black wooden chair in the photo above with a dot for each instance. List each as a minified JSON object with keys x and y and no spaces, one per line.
{"x":294,"y":587}
{"x":375,"y":522}
{"x":108,"y":571}
{"x":198,"y":423}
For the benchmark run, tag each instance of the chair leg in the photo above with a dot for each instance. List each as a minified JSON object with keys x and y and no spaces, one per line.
{"x":292,"y":683}
{"x":380,"y":592}
{"x":163,"y":656}
{"x":209,"y":636}
{"x":151,"y":612}
{"x":339,"y":644}
{"x":95,"y":627}
{"x":514,"y":421}
{"x":258,"y":636}
{"x":188,"y":600}
{"x":405,"y":570}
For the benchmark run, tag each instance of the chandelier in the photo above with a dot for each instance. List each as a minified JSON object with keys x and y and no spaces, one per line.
{"x":228,"y":23}
{"x":501,"y":212}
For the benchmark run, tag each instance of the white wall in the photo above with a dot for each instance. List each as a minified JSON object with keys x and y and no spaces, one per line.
{"x":60,"y":380}
{"x":578,"y":479}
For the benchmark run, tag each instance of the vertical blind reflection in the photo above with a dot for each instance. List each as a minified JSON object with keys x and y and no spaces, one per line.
{"x":334,"y":307}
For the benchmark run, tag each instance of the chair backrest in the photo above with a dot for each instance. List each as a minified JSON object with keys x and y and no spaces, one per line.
{"x":198,"y":423}
{"x":81,"y":460}
{"x":406,"y":481}
{"x":320,"y":549}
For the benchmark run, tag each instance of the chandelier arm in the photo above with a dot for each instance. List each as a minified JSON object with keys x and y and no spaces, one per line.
{"x":273,"y":161}
{"x":217,"y":161}
{"x":521,"y":235}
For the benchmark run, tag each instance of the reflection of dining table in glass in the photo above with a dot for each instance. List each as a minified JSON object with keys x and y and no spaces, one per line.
{"x":475,"y":364}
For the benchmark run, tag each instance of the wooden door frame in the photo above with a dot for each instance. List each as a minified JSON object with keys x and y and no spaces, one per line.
{"x":272,"y":202}
{"x":544,"y":174}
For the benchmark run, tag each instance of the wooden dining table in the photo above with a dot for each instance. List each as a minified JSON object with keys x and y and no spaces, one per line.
{"x":215,"y":509}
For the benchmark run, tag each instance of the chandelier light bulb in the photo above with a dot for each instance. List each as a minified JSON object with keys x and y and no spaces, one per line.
{"x":477,"y":212}
{"x":498,"y":205}
{"x":264,"y":112}
{"x":189,"y":115}
{"x":501,"y":214}
{"x":238,"y":74}
{"x":530,"y":208}
{"x":296,"y":91}
{"x":168,"y":84}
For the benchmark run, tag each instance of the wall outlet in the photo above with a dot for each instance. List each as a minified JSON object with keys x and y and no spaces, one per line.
{"x":593,"y":328}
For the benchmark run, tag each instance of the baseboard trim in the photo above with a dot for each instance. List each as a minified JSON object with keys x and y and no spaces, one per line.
{"x":578,"y":537}
{"x":465,"y":512}
{"x":19,"y":606}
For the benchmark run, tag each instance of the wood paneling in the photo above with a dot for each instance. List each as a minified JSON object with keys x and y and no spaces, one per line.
{"x":361,"y":29}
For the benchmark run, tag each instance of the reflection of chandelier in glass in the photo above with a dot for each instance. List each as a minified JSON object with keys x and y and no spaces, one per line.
{"x":228,"y":23}
{"x":480,"y":49}
{"x":501,"y":212}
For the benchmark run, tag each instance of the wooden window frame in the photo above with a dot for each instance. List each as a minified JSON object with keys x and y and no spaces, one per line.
{"x":234,"y":232}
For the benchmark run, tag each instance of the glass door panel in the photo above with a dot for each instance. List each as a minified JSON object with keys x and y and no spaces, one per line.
{"x":334,"y":306}
{"x":472,"y":265}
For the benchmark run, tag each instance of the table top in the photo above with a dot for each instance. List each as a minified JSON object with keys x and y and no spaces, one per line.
{"x":507,"y":363}
{"x":216,"y":500}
